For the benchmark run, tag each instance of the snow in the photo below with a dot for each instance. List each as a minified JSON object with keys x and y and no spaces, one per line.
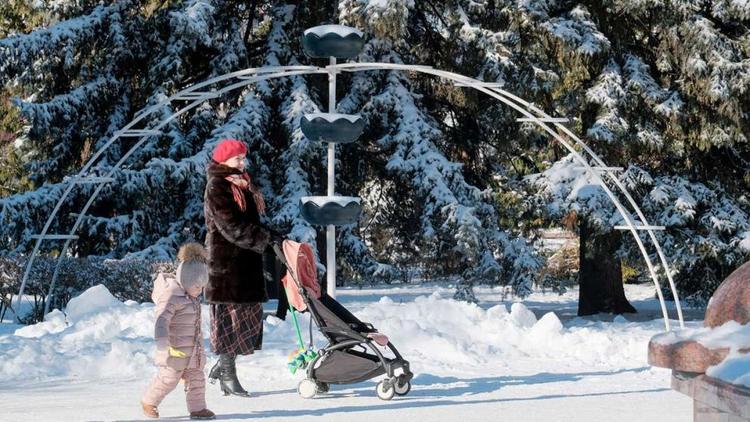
{"x":471,"y":362}
{"x":332,"y":117}
{"x":745,"y":242}
{"x":578,"y":32}
{"x":93,"y":300}
{"x":521,"y":315}
{"x":340,"y":30}
{"x":730,"y":335}
{"x":322,"y":200}
{"x":620,"y":319}
{"x":735,"y":369}
{"x":454,"y":211}
{"x":609,"y":94}
{"x":568,"y":185}
{"x":671,"y":106}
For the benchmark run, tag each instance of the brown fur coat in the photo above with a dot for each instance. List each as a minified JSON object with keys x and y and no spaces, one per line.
{"x":235,"y":239}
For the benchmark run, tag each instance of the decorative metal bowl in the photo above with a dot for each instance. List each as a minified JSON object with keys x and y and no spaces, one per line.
{"x":333,"y":41}
{"x":332,"y":127}
{"x":327,"y":210}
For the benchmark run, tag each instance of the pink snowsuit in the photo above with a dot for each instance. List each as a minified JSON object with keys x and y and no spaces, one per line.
{"x":178,"y":324}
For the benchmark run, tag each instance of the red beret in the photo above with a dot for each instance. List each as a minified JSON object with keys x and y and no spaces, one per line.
{"x":227,"y":149}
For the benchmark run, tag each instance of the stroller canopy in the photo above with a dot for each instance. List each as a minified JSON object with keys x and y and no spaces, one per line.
{"x":301,"y":261}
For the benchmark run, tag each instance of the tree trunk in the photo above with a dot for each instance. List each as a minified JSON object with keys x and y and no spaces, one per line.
{"x":600,"y":273}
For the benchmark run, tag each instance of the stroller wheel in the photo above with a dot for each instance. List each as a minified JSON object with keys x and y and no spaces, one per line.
{"x":402,"y":389}
{"x":385,"y":391}
{"x":307,"y":388}
{"x":323,"y":387}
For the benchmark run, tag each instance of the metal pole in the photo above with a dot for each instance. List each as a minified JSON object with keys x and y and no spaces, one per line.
{"x":331,"y":229}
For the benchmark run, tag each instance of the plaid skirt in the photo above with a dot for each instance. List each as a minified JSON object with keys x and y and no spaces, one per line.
{"x":236,"y":329}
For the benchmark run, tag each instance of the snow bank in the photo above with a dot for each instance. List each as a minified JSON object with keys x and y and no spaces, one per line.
{"x":100,"y":338}
{"x":439,"y":334}
{"x":104,"y":338}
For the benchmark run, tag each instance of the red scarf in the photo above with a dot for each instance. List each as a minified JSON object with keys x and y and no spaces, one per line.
{"x":242,"y":182}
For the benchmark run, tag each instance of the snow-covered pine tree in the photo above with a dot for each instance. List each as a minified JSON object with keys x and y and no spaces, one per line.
{"x":667,"y":102}
{"x":670,"y":83}
{"x":707,"y":231}
{"x":457,"y":220}
{"x":155,"y":202}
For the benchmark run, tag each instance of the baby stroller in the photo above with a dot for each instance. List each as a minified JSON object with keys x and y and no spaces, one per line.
{"x":352,"y":353}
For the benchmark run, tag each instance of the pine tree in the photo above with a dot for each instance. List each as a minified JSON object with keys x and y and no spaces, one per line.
{"x":658,"y":88}
{"x":156,"y":203}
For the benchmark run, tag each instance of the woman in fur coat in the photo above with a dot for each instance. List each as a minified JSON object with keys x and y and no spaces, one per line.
{"x":236,"y":240}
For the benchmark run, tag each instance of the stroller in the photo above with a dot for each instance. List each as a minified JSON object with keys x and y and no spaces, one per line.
{"x":352,"y":353}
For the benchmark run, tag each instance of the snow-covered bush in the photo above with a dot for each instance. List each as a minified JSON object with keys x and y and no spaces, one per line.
{"x":127,"y":279}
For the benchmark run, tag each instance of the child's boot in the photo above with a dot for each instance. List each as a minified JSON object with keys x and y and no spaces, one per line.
{"x":204,"y":414}
{"x":150,"y":411}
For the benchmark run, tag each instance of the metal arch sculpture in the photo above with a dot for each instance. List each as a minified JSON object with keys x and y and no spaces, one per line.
{"x":587,"y":158}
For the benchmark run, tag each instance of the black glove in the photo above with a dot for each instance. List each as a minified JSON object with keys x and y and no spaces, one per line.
{"x":276,"y":237}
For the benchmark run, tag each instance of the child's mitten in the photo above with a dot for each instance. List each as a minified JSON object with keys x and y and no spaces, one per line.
{"x":176,"y":353}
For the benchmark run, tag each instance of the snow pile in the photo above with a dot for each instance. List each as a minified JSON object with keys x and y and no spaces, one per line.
{"x":735,"y":369}
{"x":521,"y":315}
{"x":89,"y":302}
{"x":102,"y":338}
{"x":437,"y":333}
{"x":105,"y":338}
{"x":730,"y":335}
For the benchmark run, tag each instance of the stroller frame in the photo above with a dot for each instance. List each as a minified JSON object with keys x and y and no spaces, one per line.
{"x":344,"y":333}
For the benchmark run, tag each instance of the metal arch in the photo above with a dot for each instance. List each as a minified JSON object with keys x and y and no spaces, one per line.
{"x":196,"y":102}
{"x":627,"y":195}
{"x":526,"y":108}
{"x":246,"y":77}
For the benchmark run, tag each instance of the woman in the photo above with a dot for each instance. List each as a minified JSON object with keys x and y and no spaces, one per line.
{"x":236,"y":240}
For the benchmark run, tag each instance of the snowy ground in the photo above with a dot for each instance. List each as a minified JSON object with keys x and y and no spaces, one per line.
{"x":494,"y":361}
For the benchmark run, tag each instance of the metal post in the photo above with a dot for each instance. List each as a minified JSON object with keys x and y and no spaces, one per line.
{"x":331,"y":229}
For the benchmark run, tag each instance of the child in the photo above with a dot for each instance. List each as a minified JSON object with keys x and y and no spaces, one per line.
{"x":179,"y":341}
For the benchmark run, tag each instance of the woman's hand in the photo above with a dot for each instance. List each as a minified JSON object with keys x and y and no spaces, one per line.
{"x":276,"y":237}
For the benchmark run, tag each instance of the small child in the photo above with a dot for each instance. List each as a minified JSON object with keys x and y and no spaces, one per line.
{"x":179,"y":340}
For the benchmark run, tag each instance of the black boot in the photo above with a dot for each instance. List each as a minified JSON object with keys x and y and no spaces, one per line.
{"x":229,"y":382}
